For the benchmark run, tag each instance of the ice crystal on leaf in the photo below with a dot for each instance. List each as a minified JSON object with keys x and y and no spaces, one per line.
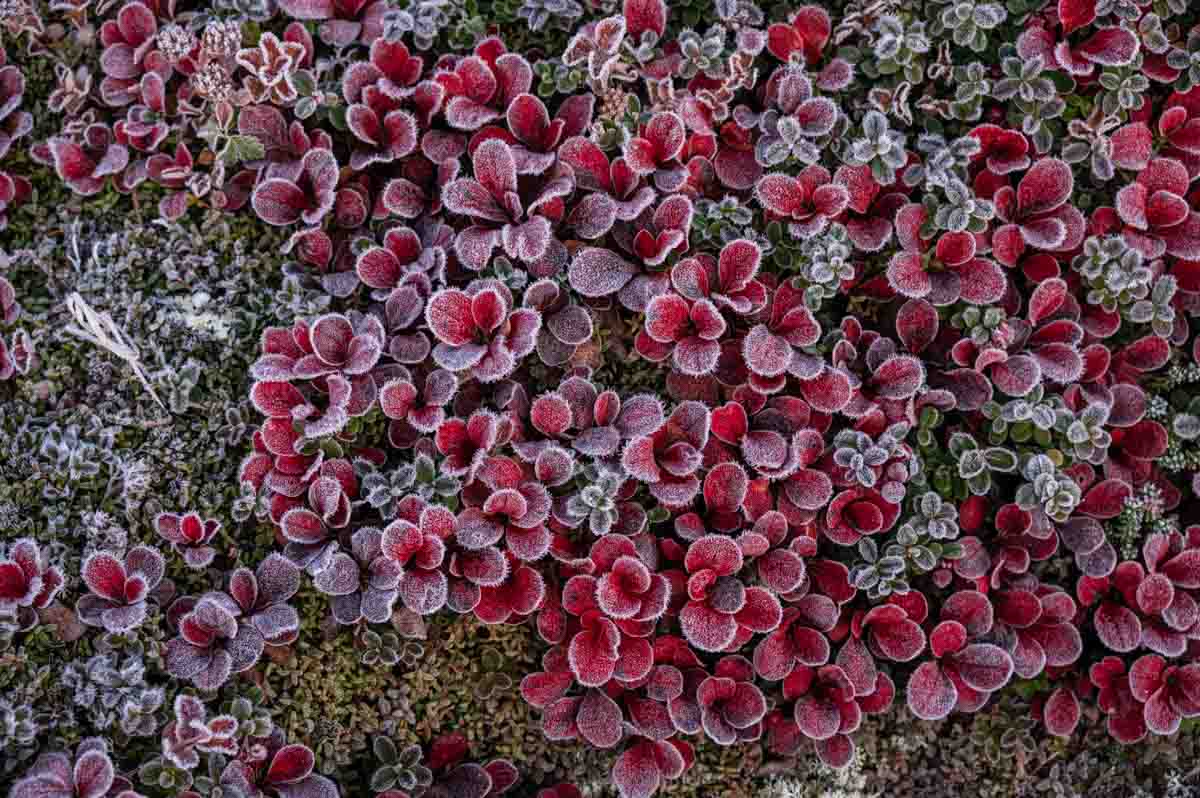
{"x":765,"y":368}
{"x":224,"y":632}
{"x":87,"y":774}
{"x":27,"y":581}
{"x":120,"y":590}
{"x":190,"y":536}
{"x":479,"y":331}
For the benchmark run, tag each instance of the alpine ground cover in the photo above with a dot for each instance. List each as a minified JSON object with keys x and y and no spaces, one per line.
{"x":470,"y":399}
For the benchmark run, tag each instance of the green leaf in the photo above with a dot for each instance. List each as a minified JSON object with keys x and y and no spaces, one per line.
{"x":332,"y":448}
{"x":385,"y":751}
{"x":980,"y":485}
{"x":150,"y":772}
{"x":925,"y":559}
{"x":337,"y":117}
{"x":961,"y":442}
{"x":305,"y":108}
{"x":850,"y":53}
{"x":242,"y":148}
{"x":952,"y":551}
{"x":241,"y":709}
{"x":304,"y":83}
{"x":1062,"y":81}
{"x":1000,"y":459}
{"x":210,"y":132}
{"x":382,"y":779}
{"x":410,"y":757}
{"x":425,"y":469}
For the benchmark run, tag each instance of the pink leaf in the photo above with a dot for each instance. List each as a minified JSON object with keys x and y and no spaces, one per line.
{"x":636,"y":773}
{"x":104,"y":575}
{"x":767,"y":354}
{"x":738,"y":264}
{"x":972,"y":609}
{"x":899,"y":377}
{"x":779,"y":194}
{"x":1046,"y":299}
{"x":1114,"y":46}
{"x":907,"y":276}
{"x":599,"y":272}
{"x":278,"y":201}
{"x":1076,"y":14}
{"x":643,"y":15}
{"x":593,"y":652}
{"x":931,"y":694}
{"x":450,"y":317}
{"x":705,"y":628}
{"x":818,"y":719}
{"x":93,"y":774}
{"x":1118,"y":627}
{"x":1132,"y":144}
{"x":836,"y":752}
{"x":1106,"y":499}
{"x":291,"y":764}
{"x":946,"y":638}
{"x":983,"y":666}
{"x":1061,"y":712}
{"x":829,"y":392}
{"x":1045,"y":186}
{"x":1184,"y":569}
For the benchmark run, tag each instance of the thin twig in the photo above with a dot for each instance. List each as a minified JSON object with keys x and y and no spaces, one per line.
{"x":101,"y":330}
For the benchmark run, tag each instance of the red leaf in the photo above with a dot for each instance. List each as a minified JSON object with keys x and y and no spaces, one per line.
{"x":1112,"y":46}
{"x":449,"y":316}
{"x":104,"y":575}
{"x":593,"y":652}
{"x":1105,"y":499}
{"x":636,"y":773}
{"x":916,"y":325}
{"x":290,"y":764}
{"x":1061,"y":712}
{"x":1046,"y":299}
{"x":599,"y":719}
{"x":1046,"y":185}
{"x":643,"y":15}
{"x":899,"y":377}
{"x":599,"y":272}
{"x":931,"y":694}
{"x":1075,"y":14}
{"x":1118,"y":627}
{"x":946,"y":638}
{"x":1132,"y":144}
{"x":983,"y":666}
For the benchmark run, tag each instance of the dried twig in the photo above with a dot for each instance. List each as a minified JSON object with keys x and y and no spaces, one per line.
{"x":101,"y":330}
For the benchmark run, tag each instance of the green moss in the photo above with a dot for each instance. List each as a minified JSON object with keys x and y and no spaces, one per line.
{"x":320,"y":693}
